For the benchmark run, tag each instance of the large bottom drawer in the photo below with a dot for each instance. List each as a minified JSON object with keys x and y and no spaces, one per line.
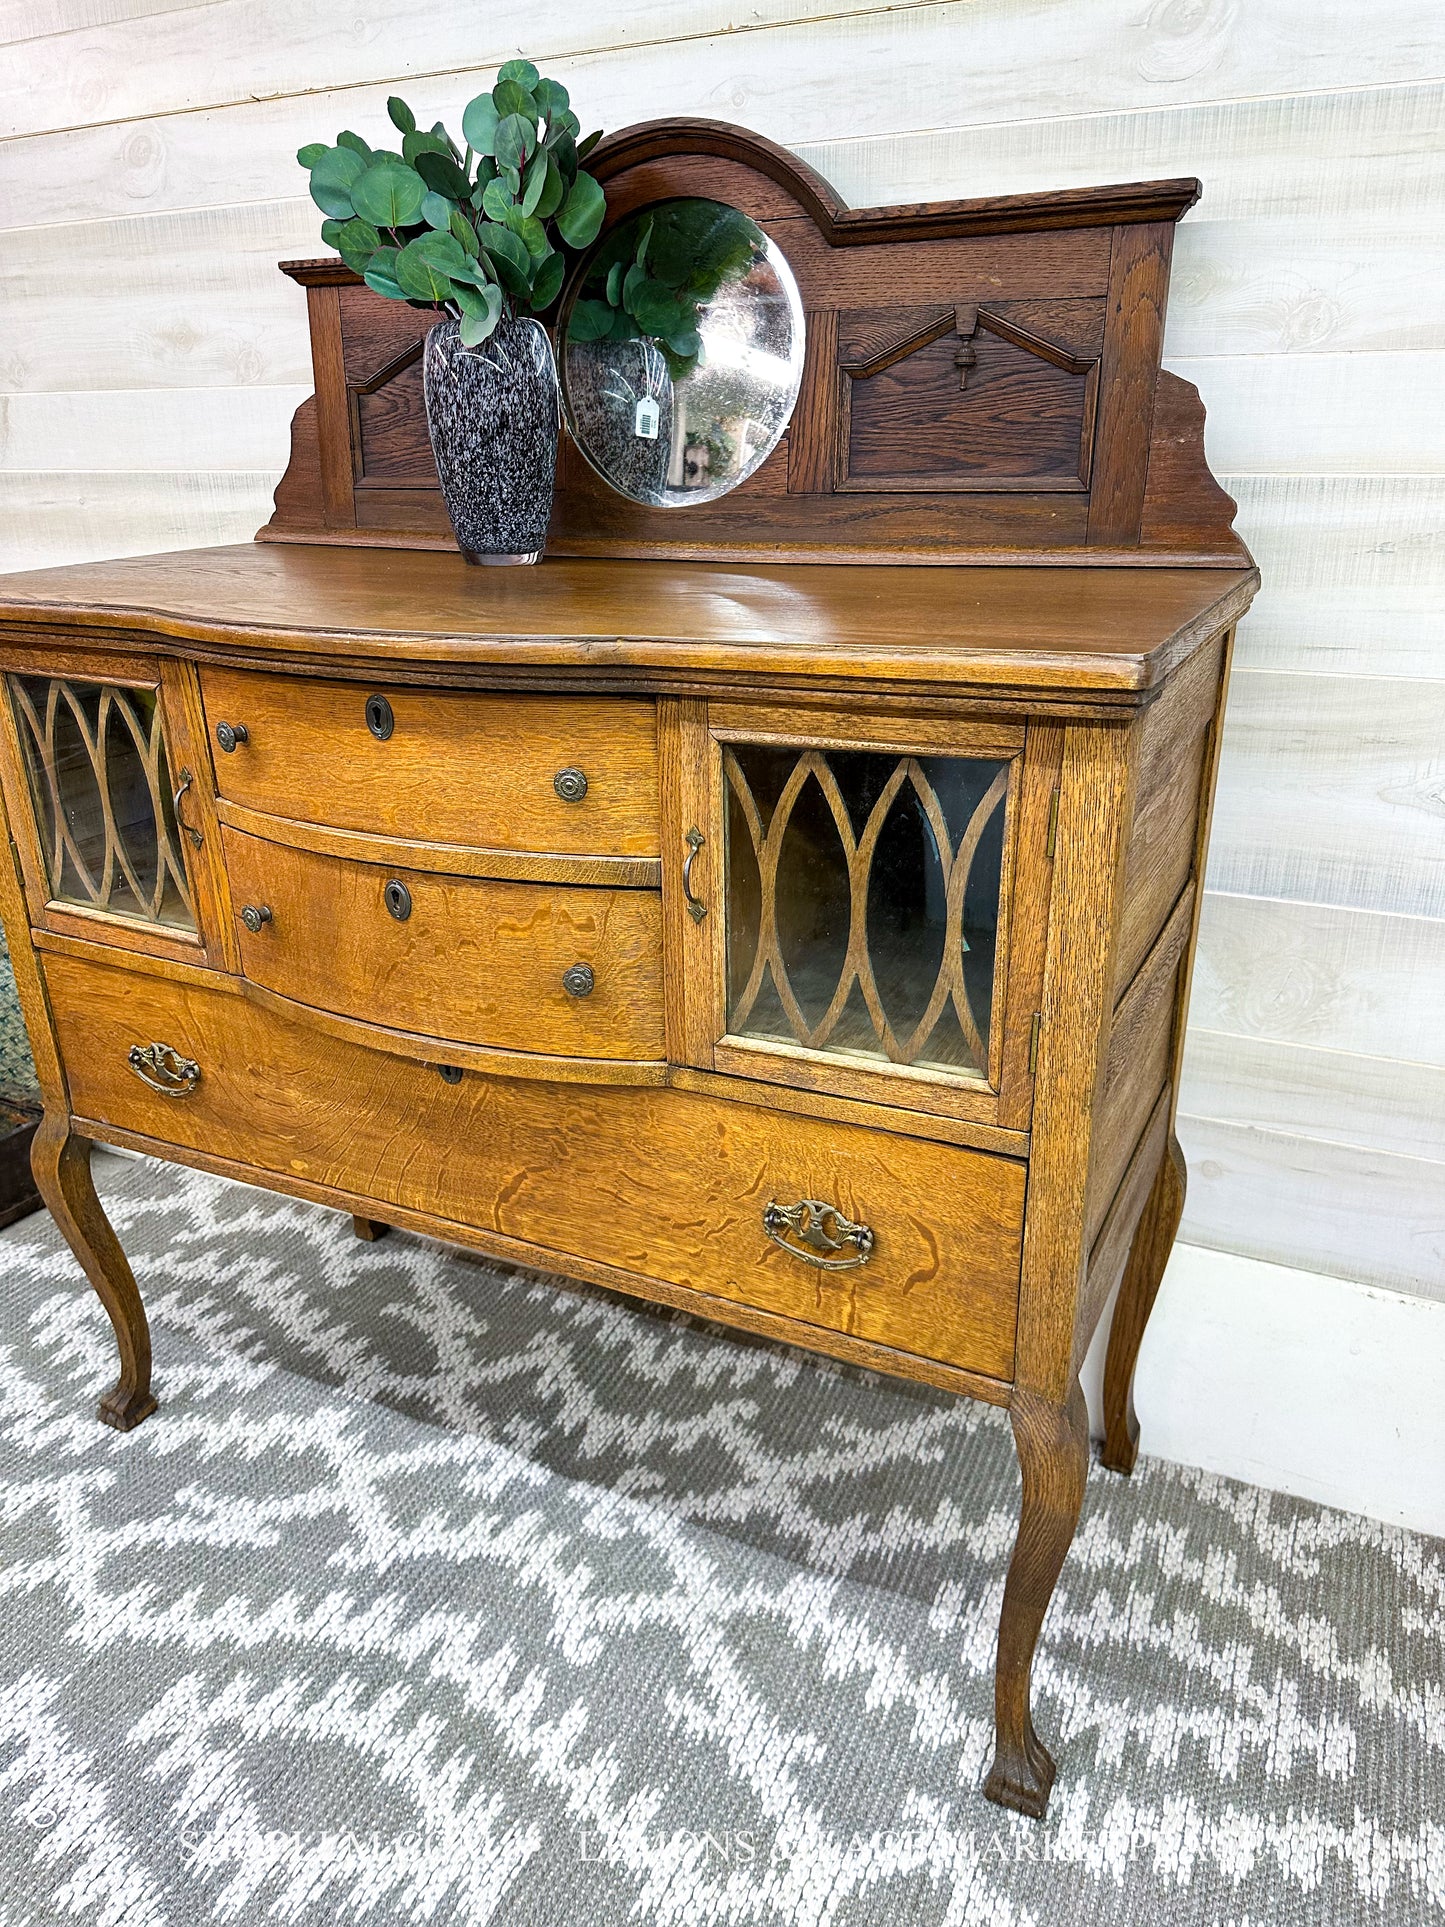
{"x":662,"y":1184}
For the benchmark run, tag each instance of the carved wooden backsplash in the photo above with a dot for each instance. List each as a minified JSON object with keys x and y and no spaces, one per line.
{"x":981,"y":383}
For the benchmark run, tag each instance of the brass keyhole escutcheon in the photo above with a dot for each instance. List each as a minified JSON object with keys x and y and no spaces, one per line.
{"x":256,"y":916}
{"x":380,"y":718}
{"x":398,"y":899}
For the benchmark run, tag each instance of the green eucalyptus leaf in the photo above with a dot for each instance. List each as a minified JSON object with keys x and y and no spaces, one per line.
{"x":522,"y":71}
{"x":311,"y":153}
{"x":511,"y":179}
{"x":465,"y":233}
{"x":331,"y":232}
{"x":584,"y":148}
{"x":332,"y":179}
{"x":635,"y":278}
{"x":354,"y":141}
{"x":534,"y":181}
{"x":389,"y":194}
{"x":516,"y":137}
{"x":400,"y":114}
{"x":547,"y":281}
{"x":441,"y":133}
{"x":419,"y":276}
{"x":624,"y":328}
{"x":419,"y":143}
{"x":436,"y":211}
{"x":444,"y":252}
{"x":614,"y":285}
{"x":590,"y":321}
{"x":509,"y":255}
{"x":551,"y":97}
{"x":564,"y":153}
{"x":531,"y":232}
{"x":688,"y":344}
{"x":511,"y":97}
{"x":480,"y":313}
{"x":479,"y":122}
{"x":580,"y":215}
{"x":553,"y":192}
{"x":497,"y":203}
{"x":643,"y":245}
{"x":379,"y":274}
{"x":442,"y":175}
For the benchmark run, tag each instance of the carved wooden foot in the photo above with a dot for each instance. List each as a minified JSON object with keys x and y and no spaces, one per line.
{"x":369,"y":1229}
{"x":61,"y":1163}
{"x":1053,"y":1447}
{"x":1148,"y":1255}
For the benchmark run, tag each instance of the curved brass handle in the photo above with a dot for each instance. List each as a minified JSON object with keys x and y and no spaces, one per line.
{"x":696,"y":908}
{"x":255,"y":916}
{"x":185,"y":784}
{"x":820,"y":1230}
{"x":164,"y":1069}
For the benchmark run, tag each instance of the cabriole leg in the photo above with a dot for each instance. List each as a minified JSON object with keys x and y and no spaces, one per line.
{"x":1053,"y":1446}
{"x":1148,"y":1255}
{"x":61,"y":1163}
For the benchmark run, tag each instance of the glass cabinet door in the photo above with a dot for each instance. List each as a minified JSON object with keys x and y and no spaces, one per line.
{"x":103,"y":798}
{"x":850,"y":888}
{"x":862,"y":903}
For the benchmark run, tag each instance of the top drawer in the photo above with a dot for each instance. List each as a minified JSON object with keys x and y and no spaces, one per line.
{"x":489,"y":771}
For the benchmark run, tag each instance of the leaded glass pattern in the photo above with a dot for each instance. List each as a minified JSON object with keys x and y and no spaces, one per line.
{"x":863,"y":892}
{"x":101,"y":785}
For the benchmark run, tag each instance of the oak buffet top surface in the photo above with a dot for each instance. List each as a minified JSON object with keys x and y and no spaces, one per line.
{"x":1107,"y":630}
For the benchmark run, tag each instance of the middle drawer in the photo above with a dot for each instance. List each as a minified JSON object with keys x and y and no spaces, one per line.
{"x":549,"y":968}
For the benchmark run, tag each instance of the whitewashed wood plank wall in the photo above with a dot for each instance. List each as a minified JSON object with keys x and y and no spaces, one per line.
{"x":151,"y":356}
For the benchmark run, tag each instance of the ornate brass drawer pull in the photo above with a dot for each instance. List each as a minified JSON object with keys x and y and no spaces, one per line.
{"x":164,"y":1069}
{"x":578,"y":980}
{"x":696,"y":908}
{"x":570,"y":784}
{"x":256,"y":916}
{"x":228,"y":735}
{"x":820,"y":1230}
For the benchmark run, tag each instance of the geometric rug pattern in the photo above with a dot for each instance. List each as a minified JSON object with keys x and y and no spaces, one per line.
{"x":439,"y":1592}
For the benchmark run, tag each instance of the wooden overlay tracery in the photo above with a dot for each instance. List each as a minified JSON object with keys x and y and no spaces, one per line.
{"x":956,"y":863}
{"x":61,"y":852}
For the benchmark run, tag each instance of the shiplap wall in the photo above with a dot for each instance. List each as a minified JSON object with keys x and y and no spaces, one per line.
{"x":151,"y":357}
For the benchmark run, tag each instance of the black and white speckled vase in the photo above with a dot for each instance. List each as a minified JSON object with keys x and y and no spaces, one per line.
{"x":493,"y":416}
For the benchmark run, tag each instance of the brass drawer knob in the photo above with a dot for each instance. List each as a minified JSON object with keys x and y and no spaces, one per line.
{"x":255,"y":916}
{"x":380,"y":718}
{"x":228,"y":735}
{"x":164,"y":1069}
{"x":397,"y":898}
{"x":579,"y":980}
{"x":570,"y":784}
{"x":817,"y":1233}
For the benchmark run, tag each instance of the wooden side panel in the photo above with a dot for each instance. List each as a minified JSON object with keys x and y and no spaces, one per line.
{"x":480,"y":962}
{"x":479,"y":770}
{"x":665,"y":1185}
{"x":1175,"y":750}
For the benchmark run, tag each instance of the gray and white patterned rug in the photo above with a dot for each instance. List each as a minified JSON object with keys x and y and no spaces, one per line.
{"x":437,"y":1593}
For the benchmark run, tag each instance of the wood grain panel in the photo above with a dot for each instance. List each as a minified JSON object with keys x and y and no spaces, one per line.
{"x":593,"y":1173}
{"x":478,"y":961}
{"x":459,"y":768}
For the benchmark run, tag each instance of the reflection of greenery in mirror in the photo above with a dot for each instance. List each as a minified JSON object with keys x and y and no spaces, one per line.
{"x":655,"y":283}
{"x":682,"y":352}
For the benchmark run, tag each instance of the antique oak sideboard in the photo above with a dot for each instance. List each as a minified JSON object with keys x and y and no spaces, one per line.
{"x":780,"y":909}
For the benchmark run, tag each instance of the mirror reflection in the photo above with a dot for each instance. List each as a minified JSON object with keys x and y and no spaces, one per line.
{"x":682,"y":353}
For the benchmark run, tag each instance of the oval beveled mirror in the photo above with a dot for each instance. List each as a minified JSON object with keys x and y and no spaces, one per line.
{"x":682,"y":352}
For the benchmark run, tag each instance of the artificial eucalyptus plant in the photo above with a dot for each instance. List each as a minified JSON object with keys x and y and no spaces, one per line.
{"x":477,"y":233}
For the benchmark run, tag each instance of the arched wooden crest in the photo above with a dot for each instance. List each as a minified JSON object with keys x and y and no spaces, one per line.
{"x":981,"y":384}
